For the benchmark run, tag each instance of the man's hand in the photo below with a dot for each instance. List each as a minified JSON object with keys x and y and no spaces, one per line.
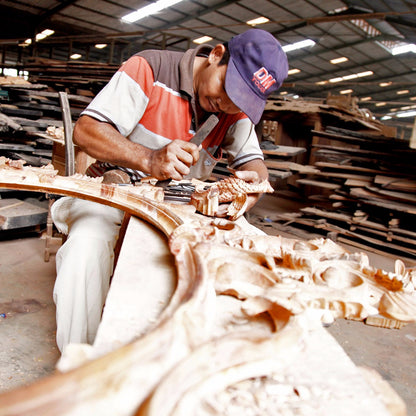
{"x":174,"y":160}
{"x":250,"y":176}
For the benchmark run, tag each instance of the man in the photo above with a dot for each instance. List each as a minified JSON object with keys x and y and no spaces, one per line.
{"x":142,"y":123}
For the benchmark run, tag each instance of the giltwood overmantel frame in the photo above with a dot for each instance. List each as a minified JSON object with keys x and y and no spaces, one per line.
{"x":275,"y":283}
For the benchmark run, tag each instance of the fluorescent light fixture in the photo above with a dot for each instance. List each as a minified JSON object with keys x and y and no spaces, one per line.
{"x":75,"y":56}
{"x":202,"y":39}
{"x":100,"y":45}
{"x":386,"y":118}
{"x":338,"y":60}
{"x":44,"y":34}
{"x":145,"y":11}
{"x":365,"y":74}
{"x":365,"y":99}
{"x":402,"y":92}
{"x":321,"y":82}
{"x":349,"y":91}
{"x":385,"y":84}
{"x":407,"y":114}
{"x":407,"y":47}
{"x":293,"y":71}
{"x":351,"y":76}
{"x":348,"y":77}
{"x":380,"y":104}
{"x":283,"y":93}
{"x":412,"y":98}
{"x":298,"y":45}
{"x":10,"y":72}
{"x":258,"y":21}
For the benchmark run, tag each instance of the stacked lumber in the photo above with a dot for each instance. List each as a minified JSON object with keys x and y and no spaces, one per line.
{"x":31,"y":129}
{"x":70,"y":75}
{"x":363,"y":188}
{"x":31,"y":120}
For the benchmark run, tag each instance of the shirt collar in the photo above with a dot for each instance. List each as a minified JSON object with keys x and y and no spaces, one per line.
{"x":186,"y":66}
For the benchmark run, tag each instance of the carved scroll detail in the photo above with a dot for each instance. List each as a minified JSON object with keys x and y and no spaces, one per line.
{"x":233,"y":190}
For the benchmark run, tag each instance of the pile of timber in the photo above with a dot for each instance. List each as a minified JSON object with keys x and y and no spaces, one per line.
{"x":70,"y":75}
{"x":30,"y":127}
{"x":31,"y":120}
{"x":363,"y":187}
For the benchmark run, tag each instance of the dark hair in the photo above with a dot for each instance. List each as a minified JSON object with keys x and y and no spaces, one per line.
{"x":226,"y":57}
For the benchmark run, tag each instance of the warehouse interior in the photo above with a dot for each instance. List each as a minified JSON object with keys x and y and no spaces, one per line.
{"x":338,"y":138}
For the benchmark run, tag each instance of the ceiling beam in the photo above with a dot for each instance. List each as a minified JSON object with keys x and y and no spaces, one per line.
{"x":49,"y":13}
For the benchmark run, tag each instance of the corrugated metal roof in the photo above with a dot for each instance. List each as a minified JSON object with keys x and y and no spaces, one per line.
{"x":354,"y":29}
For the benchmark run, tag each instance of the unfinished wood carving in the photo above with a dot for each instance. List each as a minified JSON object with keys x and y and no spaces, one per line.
{"x":242,"y":331}
{"x":232,"y":190}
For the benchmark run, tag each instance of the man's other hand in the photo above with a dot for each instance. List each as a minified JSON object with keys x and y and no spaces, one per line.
{"x":174,"y":160}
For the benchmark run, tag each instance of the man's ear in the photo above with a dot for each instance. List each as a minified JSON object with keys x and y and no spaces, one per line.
{"x":216,"y":54}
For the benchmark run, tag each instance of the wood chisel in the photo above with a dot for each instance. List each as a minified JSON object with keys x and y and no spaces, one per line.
{"x":205,"y":129}
{"x":200,"y":135}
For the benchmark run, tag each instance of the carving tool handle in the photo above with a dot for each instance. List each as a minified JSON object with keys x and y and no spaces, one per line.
{"x":205,"y":129}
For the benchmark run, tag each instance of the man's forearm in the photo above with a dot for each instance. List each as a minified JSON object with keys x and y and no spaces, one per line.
{"x":103,"y":142}
{"x":256,"y":165}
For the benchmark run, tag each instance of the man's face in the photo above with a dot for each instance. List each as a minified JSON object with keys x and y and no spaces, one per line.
{"x":210,"y":88}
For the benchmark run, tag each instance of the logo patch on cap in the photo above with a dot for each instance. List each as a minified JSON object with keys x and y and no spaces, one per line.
{"x":263,"y":80}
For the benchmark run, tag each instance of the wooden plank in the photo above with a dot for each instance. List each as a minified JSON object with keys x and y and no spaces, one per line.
{"x":15,"y":213}
{"x":351,"y":221}
{"x":352,"y":150}
{"x":403,"y":184}
{"x":69,"y":146}
{"x":9,"y":110}
{"x":373,"y":199}
{"x":370,"y":135}
{"x":358,"y":182}
{"x":369,"y":140}
{"x":320,"y":184}
{"x":398,"y":196}
{"x":286,"y":165}
{"x":322,"y":224}
{"x":286,"y":151}
{"x":274,"y":173}
{"x":355,"y":168}
{"x":40,"y":122}
{"x":8,"y":122}
{"x":131,"y":286}
{"x":345,"y":176}
{"x":17,"y":147}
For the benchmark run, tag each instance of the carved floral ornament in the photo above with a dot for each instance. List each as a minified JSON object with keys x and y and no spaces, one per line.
{"x":244,"y":319}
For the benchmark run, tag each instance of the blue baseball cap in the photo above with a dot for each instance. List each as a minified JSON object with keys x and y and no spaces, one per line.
{"x":257,"y":67}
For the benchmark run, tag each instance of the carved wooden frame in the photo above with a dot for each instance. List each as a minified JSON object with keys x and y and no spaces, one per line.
{"x":190,"y":357}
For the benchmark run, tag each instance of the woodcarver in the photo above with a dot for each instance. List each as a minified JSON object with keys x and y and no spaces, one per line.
{"x":143,"y":123}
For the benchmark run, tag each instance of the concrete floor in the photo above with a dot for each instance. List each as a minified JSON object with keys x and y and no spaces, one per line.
{"x":27,"y":334}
